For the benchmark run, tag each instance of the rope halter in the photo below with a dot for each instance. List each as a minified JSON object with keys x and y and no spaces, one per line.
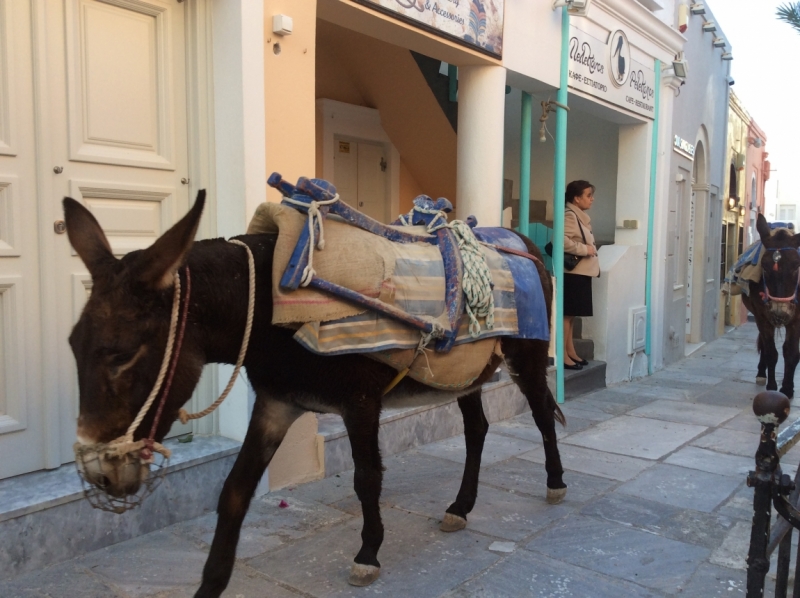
{"x":126,"y":458}
{"x":776,"y":258}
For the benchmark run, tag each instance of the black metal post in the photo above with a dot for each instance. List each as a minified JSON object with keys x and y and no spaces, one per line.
{"x":771,"y":408}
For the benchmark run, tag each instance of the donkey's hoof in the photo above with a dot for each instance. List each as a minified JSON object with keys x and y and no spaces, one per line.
{"x":452,"y":523}
{"x":555,"y":495}
{"x":363,"y":575}
{"x":761,"y":380}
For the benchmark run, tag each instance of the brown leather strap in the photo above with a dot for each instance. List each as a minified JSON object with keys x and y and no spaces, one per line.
{"x":518,"y":252}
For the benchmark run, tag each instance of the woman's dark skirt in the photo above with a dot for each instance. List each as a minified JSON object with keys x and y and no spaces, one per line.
{"x":577,"y":295}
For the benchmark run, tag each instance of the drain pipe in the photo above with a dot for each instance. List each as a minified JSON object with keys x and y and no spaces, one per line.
{"x":559,"y":185}
{"x":525,"y":164}
{"x":651,"y":210}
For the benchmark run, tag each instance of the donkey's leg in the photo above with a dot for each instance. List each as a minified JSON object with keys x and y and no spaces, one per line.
{"x":270,"y":421}
{"x":769,"y":352}
{"x":791,"y":355}
{"x":361,"y":419}
{"x":761,"y":375}
{"x":527,"y":360}
{"x":475,"y":428}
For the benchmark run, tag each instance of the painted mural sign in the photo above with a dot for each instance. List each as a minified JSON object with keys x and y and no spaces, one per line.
{"x":478,"y":23}
{"x":606,"y":70}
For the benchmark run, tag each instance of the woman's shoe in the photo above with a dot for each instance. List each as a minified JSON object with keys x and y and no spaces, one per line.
{"x":581,"y":362}
{"x":574,"y":366}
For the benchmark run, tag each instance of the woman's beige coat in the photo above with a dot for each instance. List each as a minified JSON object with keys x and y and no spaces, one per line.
{"x":573,"y":241}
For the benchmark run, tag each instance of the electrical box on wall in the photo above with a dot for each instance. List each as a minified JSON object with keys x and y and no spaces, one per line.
{"x":282,"y":25}
{"x":637,"y":329}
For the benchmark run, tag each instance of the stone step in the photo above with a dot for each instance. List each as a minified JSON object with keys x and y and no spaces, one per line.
{"x":584,"y":347}
{"x":402,"y":428}
{"x":44,"y":518}
{"x":592,"y":377}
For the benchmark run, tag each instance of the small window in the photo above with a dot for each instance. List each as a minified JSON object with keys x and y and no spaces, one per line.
{"x":787,"y":212}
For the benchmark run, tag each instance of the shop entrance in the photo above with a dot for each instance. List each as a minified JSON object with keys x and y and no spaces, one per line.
{"x":360,"y":175}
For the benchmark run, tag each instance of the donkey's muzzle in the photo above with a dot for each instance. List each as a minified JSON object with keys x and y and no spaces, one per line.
{"x":780,"y":314}
{"x":117,"y":477}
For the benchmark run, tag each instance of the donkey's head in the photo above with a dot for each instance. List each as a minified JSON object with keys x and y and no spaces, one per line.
{"x":120,"y":340}
{"x":780,"y":271}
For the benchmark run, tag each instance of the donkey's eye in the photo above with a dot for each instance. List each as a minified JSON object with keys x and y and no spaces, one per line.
{"x":120,"y":359}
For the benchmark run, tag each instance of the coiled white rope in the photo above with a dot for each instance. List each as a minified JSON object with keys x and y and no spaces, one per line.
{"x":314,"y":217}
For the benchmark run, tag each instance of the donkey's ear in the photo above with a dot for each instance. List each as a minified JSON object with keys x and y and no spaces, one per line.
{"x":762,"y":227}
{"x":159,"y":262}
{"x":87,"y":237}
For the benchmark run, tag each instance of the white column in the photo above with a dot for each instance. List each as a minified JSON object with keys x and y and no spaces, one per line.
{"x":238,"y":58}
{"x":481,"y":113}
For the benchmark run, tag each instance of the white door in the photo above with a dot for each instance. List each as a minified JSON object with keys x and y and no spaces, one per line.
{"x":690,"y":266}
{"x":360,"y":176}
{"x":118,"y":136}
{"x":21,"y":407}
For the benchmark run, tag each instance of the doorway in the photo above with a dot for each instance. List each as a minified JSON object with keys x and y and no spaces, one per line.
{"x":360,"y":175}
{"x":697,"y":254}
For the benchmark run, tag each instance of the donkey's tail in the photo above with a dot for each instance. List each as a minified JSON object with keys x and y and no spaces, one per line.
{"x":557,"y":413}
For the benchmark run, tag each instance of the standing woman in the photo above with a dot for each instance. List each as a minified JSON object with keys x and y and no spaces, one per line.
{"x":578,"y":240}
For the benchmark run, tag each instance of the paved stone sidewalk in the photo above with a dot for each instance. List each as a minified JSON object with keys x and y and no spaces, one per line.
{"x":657,"y":506}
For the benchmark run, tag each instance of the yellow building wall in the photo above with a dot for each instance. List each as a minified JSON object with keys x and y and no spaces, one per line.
{"x":290,"y":143}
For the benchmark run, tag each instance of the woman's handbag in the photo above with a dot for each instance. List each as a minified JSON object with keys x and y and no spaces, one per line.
{"x":570,"y":260}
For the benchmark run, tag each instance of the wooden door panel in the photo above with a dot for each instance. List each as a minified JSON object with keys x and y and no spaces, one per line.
{"x":132,"y":216}
{"x":119,"y":83}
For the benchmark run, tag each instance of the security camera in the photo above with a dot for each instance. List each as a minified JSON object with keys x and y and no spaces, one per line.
{"x":730,"y":80}
{"x":574,"y":7}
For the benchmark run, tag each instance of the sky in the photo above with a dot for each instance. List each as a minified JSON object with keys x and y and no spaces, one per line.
{"x":766,"y":71}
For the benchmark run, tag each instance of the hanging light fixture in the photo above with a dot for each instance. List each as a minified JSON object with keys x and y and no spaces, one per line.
{"x":731,"y":203}
{"x":742,"y":211}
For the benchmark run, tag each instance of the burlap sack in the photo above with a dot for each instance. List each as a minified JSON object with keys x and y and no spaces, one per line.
{"x":353,"y":258}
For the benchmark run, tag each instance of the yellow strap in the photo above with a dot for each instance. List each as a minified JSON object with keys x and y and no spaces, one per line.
{"x":400,"y":375}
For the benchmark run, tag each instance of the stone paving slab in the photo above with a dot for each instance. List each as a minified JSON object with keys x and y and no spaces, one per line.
{"x":681,"y":487}
{"x":495,"y":448}
{"x":497,"y":513}
{"x":416,"y":559}
{"x":712,"y":462}
{"x":527,"y":477}
{"x":606,"y":465}
{"x":686,"y":413}
{"x":636,"y":437}
{"x":149,"y":564}
{"x":685,"y":525}
{"x":619,"y":551}
{"x":732,"y":442}
{"x":532,"y":575}
{"x":710,"y":581}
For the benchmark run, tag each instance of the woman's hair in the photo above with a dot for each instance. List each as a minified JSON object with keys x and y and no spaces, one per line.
{"x":576,"y":189}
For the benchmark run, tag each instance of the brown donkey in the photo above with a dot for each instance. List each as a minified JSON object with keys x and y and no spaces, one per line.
{"x":120,"y":341}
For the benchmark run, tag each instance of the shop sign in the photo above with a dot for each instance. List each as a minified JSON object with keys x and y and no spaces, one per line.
{"x":477,"y":23}
{"x":683,"y":147}
{"x":606,"y":70}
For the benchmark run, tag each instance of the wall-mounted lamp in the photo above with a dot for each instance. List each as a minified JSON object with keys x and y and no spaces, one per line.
{"x":698,"y":8}
{"x":680,"y":66}
{"x":742,"y":211}
{"x":719,"y":42}
{"x":282,"y":25}
{"x":727,"y":56}
{"x":731,"y":203}
{"x":756,"y":141}
{"x":709,"y":27}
